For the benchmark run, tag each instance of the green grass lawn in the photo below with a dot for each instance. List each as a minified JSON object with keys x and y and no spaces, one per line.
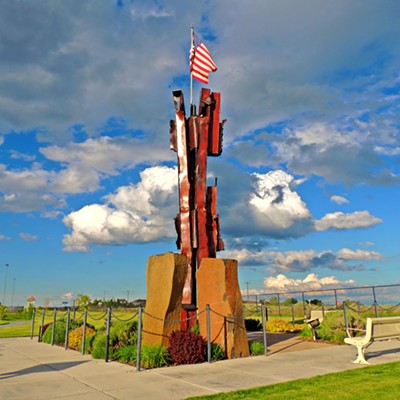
{"x":376,"y":382}
{"x":96,"y":318}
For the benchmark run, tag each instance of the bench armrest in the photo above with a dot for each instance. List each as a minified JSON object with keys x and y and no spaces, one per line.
{"x":354,"y":329}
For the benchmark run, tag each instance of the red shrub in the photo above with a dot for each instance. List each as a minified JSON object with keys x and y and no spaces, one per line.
{"x":187,"y":347}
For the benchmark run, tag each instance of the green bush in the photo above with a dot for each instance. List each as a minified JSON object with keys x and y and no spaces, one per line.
{"x":99,"y":347}
{"x":89,"y":343}
{"x":28,"y":312}
{"x":122,"y":334}
{"x":3,"y":312}
{"x":59,"y":334}
{"x":252,"y":325}
{"x":217,"y":352}
{"x":306,"y":332}
{"x":127,"y":354}
{"x":154,"y":356}
{"x":256,"y":348}
{"x":196,"y":328}
{"x":333,"y":328}
{"x":187,"y":347}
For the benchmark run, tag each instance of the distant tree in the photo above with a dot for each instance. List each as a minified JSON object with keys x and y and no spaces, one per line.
{"x":290,"y":301}
{"x":83,"y":300}
{"x":273,"y":301}
{"x":316,"y":302}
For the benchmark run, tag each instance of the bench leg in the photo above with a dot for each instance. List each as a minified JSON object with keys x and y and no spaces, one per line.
{"x":360,"y":356}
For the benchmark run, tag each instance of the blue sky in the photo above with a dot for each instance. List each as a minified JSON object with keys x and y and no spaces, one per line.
{"x":309,"y":178}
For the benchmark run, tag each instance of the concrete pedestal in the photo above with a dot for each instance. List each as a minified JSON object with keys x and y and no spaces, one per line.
{"x":166,"y":275}
{"x":217,"y":285}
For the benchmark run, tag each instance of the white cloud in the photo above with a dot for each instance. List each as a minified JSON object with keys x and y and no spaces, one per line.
{"x":348,"y":254}
{"x":340,"y":220}
{"x":28,"y":237}
{"x":303,"y":260}
{"x":134,"y":214}
{"x":272,"y":208}
{"x":3,"y":237}
{"x":26,"y":189}
{"x":282,"y":283}
{"x":68,"y":296}
{"x":339,"y":199}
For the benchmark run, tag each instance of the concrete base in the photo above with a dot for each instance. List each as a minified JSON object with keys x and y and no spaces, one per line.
{"x":166,"y":275}
{"x":217,"y":285}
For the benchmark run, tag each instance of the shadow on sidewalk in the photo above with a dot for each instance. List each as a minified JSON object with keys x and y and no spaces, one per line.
{"x":42,"y":368}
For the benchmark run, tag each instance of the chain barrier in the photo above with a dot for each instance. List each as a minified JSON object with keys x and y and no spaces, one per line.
{"x":97,"y":319}
{"x":172,"y":320}
{"x":388,"y":308}
{"x":359,"y":311}
{"x":77,"y":316}
{"x":228,"y":317}
{"x":62,"y":315}
{"x":255,"y":312}
{"x":124,"y":320}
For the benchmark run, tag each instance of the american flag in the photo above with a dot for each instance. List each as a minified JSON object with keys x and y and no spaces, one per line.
{"x":201,"y":62}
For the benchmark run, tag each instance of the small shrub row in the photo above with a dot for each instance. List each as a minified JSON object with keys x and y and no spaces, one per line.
{"x":60,"y":330}
{"x":279,"y":325}
{"x":185,"y":347}
{"x":75,"y":337}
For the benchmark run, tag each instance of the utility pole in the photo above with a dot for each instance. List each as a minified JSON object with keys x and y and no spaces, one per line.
{"x":12,"y":295}
{"x":5,"y":283}
{"x":127,"y":296}
{"x":247,"y":285}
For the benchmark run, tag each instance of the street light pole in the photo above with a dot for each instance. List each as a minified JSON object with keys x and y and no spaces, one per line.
{"x":12,"y":296}
{"x":5,"y":283}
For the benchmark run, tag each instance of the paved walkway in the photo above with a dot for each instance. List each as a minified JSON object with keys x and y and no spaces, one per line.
{"x":32,"y":370}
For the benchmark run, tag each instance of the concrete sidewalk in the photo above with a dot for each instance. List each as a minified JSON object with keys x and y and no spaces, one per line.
{"x":32,"y":370}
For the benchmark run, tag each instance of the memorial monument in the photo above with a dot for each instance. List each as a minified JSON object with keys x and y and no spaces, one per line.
{"x":180,"y":285}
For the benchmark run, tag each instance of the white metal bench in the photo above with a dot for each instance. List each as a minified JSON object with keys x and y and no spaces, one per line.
{"x":384,"y":328}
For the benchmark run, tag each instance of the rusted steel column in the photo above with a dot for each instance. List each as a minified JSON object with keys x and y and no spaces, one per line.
{"x":183,"y":219}
{"x":200,"y":190}
{"x":197,"y":223}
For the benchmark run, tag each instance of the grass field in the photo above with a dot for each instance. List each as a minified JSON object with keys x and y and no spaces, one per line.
{"x":377,"y":382}
{"x":24,"y":327}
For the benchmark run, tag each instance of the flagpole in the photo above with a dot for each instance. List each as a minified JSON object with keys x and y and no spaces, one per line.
{"x":192,"y":107}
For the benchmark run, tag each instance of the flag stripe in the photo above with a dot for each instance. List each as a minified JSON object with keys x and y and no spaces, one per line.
{"x":201,"y":61}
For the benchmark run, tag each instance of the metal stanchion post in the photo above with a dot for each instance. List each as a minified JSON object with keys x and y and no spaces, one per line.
{"x":345,"y":318}
{"x":41,"y":326}
{"x":293,"y":314}
{"x":263,"y":317}
{"x":33,"y":322}
{"x":208,"y":333}
{"x":67,"y":329}
{"x":139,"y":341}
{"x":375,"y":302}
{"x":84,"y":330}
{"x":108,"y":333}
{"x":53,"y":331}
